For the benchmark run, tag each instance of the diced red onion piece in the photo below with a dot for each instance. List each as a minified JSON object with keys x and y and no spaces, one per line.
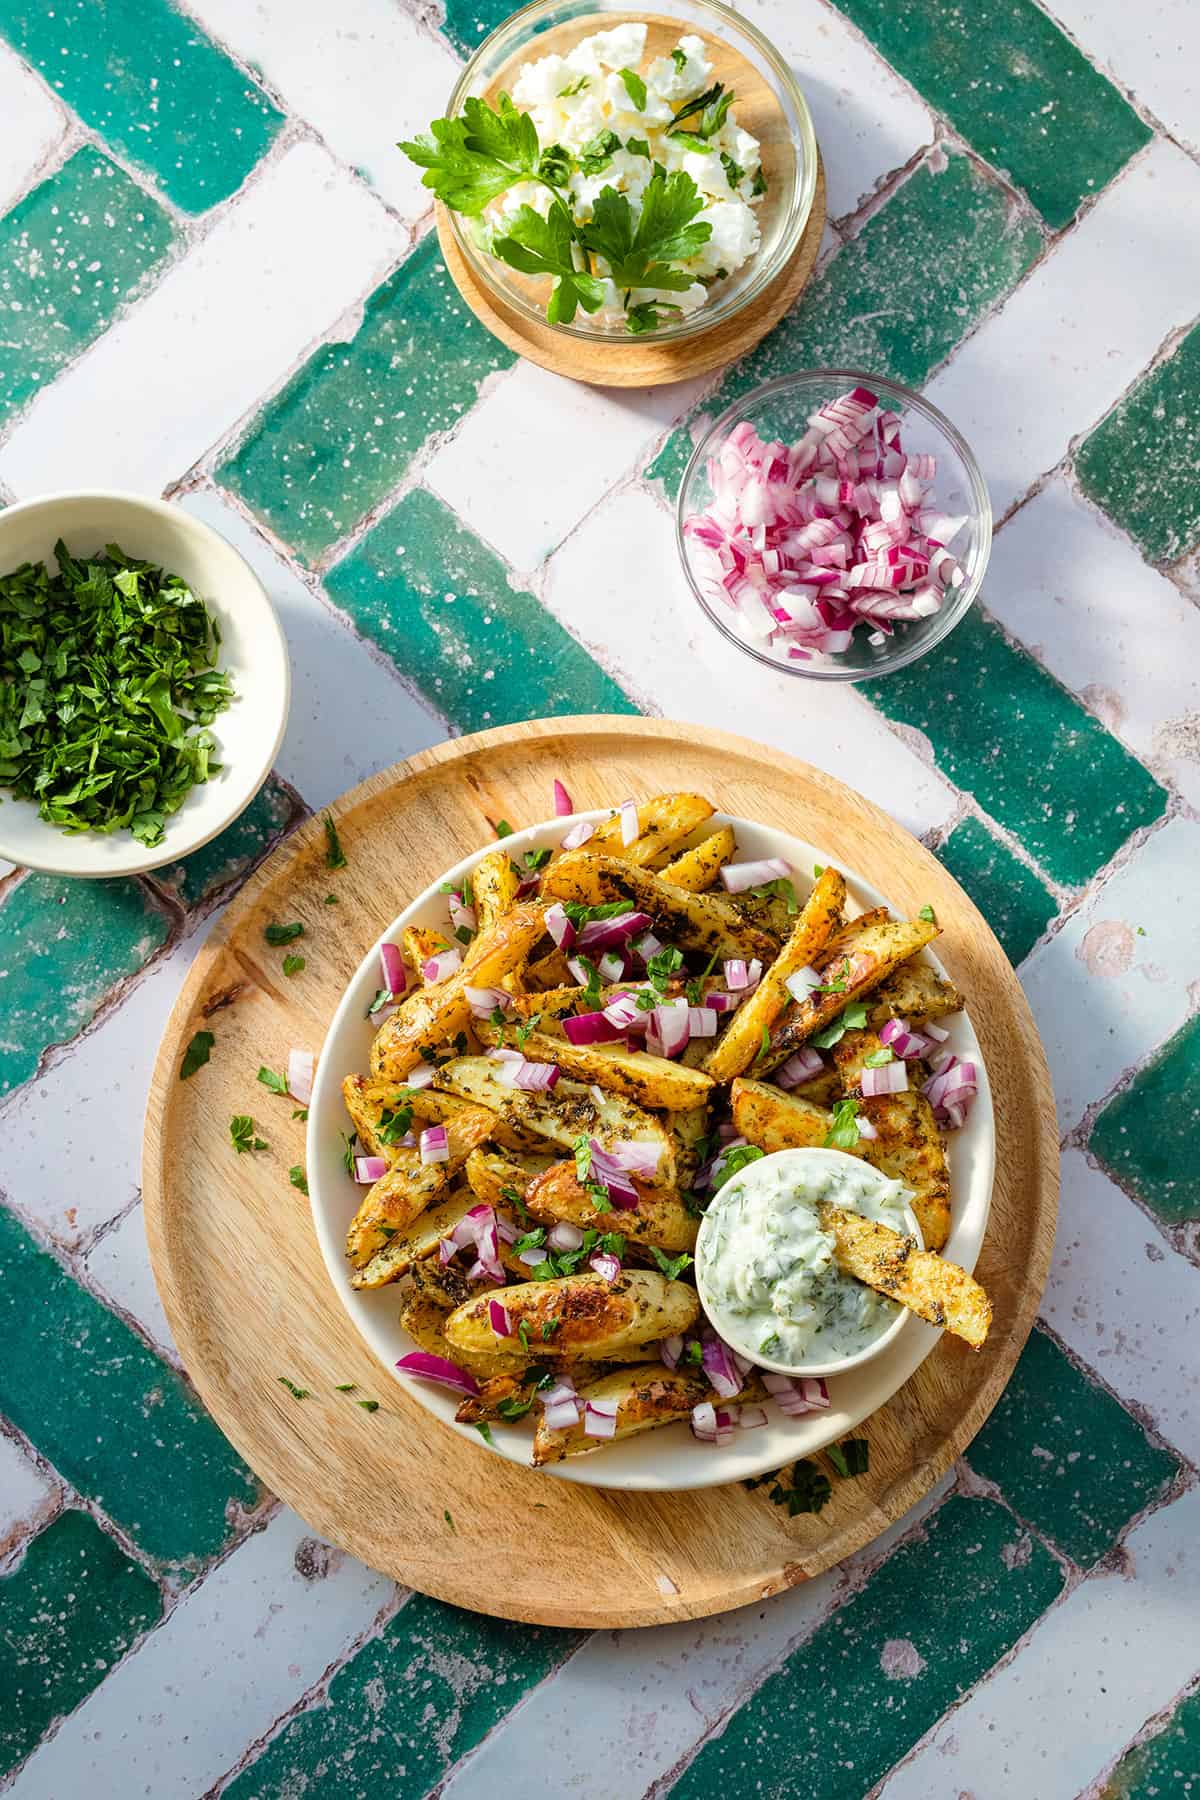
{"x":420,"y":1075}
{"x":902,"y":1040}
{"x":865,"y":1127}
{"x":591,"y":1028}
{"x":563,"y":805}
{"x":391,"y":969}
{"x":532,"y":1257}
{"x":369,"y":1168}
{"x":802,"y":983}
{"x":435,"y":1144}
{"x":565,"y":1236}
{"x":629,"y":821}
{"x":638,"y":1156}
{"x":668,"y":1031}
{"x":737,"y":975}
{"x":447,"y":1250}
{"x":610,"y":965}
{"x":702,"y":1021}
{"x":623,"y":1013}
{"x":670,"y":1349}
{"x":300,"y":1065}
{"x":605,"y":1264}
{"x":563,"y":1415}
{"x":646,"y":946}
{"x":710,"y":1425}
{"x":531,"y":1076}
{"x":802,"y":1066}
{"x":600,"y":1418}
{"x":438,"y":967}
{"x":599,"y":934}
{"x":506,"y":1231}
{"x":719,"y":1365}
{"x":578,"y":835}
{"x":559,"y":926}
{"x":891,"y":1078}
{"x":737,"y":877}
{"x":938,"y":1033}
{"x":462,"y":916}
{"x":719,"y":1002}
{"x":483,"y":1002}
{"x":749,"y":1418}
{"x":498,"y":1318}
{"x":437,"y":1368}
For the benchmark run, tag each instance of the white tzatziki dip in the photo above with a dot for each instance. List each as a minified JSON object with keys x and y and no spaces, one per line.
{"x":766,"y":1269}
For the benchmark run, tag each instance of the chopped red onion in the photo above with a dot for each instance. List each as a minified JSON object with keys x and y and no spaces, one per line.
{"x":600,"y":1418}
{"x":668,"y":1030}
{"x":865,"y":1127}
{"x":420,"y":1075}
{"x":902,"y":1041}
{"x":670,"y":1349}
{"x":435,"y":1144}
{"x":483,"y":1002}
{"x":532,"y":1257}
{"x":562,"y":1416}
{"x":796,"y":1394}
{"x":563,"y":1389}
{"x":480,"y":1224}
{"x":802,"y":1066}
{"x":591,"y":1028}
{"x":737,"y":877}
{"x":605,"y":1168}
{"x":623,"y":1013}
{"x":719,"y":1365}
{"x":437,"y":1368}
{"x":447,"y":1250}
{"x":369,"y":1168}
{"x":300,"y":1065}
{"x":702,"y":1021}
{"x":629,"y":821}
{"x":938,"y":1033}
{"x":720,"y":1002}
{"x":803,"y":983}
{"x":462,"y":916}
{"x":605,"y":1264}
{"x":599,"y":934}
{"x":498,"y":1318}
{"x":891,"y":1078}
{"x":391,"y":968}
{"x":438,"y":967}
{"x":578,"y":835}
{"x":611,"y":965}
{"x":749,"y":1418}
{"x":506,"y":1231}
{"x":515,"y":1072}
{"x":646,"y":946}
{"x":565,"y":1236}
{"x":563,"y":805}
{"x":638,"y":1156}
{"x":710,"y":1425}
{"x":559,"y":926}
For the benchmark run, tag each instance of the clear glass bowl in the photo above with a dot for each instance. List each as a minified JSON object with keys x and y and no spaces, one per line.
{"x":776,"y":113}
{"x":781,"y":410}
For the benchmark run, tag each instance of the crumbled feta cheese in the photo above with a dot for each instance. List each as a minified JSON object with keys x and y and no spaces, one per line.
{"x":675,"y":84}
{"x":621,"y":48}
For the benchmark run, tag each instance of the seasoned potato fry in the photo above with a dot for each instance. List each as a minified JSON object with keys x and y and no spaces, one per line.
{"x":861,"y":965}
{"x":494,"y":885}
{"x":823,"y":1090}
{"x":916,"y":992}
{"x":565,"y":1112}
{"x":586,"y":1315}
{"x":439,"y":1012}
{"x":660,"y":1216}
{"x":649,"y":1080}
{"x":937,"y":1291}
{"x":742,"y":1038}
{"x":410,"y":1185}
{"x":663,"y":822}
{"x":370,"y":1103}
{"x":908,"y":1145}
{"x":699,"y":867}
{"x":501,"y":1181}
{"x":548,"y":971}
{"x":850,"y":929}
{"x":773,"y":1120}
{"x":646,"y":1398}
{"x":420,"y":1240}
{"x":689,"y":1130}
{"x":425,"y":1322}
{"x":702,"y":922}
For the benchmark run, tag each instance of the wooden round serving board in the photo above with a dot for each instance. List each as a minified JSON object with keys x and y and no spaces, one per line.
{"x":246,"y":1292}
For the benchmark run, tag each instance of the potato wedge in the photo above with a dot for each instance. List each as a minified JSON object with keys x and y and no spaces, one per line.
{"x":908,"y":1145}
{"x":824,"y":1089}
{"x":587,"y":1316}
{"x":548,"y":971}
{"x":703,"y":922}
{"x":742,"y":1039}
{"x":430,"y":1106}
{"x":646,"y":1398}
{"x":649,"y":1080}
{"x":660,"y":1216}
{"x":859,"y":966}
{"x":400,"y":1196}
{"x":501,"y":1181}
{"x":663,"y":821}
{"x":850,"y":929}
{"x":418,"y":944}
{"x":494,"y":885}
{"x":916,"y":992}
{"x":936,"y":1290}
{"x":698,"y":868}
{"x":567,"y":1111}
{"x":411,"y":1246}
{"x":499,"y":1398}
{"x":425,"y":1322}
{"x":440,"y":1012}
{"x":689,"y":1130}
{"x":773,"y":1120}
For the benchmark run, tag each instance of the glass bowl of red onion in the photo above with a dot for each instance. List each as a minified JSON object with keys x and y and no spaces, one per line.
{"x":834,"y":524}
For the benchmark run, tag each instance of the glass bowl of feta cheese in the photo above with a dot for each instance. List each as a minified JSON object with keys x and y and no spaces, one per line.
{"x":670,"y":167}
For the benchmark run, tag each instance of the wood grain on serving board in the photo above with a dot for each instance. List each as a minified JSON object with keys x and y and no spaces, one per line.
{"x":246,"y":1292}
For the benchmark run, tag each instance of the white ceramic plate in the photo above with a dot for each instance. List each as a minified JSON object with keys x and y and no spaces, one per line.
{"x":671,"y":1458}
{"x":253,"y":650}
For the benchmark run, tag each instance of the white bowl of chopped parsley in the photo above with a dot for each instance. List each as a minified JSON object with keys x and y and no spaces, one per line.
{"x":144,"y":684}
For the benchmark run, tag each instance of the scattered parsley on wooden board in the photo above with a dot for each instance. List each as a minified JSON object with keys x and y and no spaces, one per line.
{"x":196,"y":1054}
{"x":108,"y":684}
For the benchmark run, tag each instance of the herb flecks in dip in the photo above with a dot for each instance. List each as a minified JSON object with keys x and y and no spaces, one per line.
{"x":767,"y":1269}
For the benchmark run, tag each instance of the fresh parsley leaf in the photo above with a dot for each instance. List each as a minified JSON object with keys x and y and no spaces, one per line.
{"x":694,"y":1352}
{"x":818,"y":870}
{"x":851,"y":1018}
{"x":591,"y":992}
{"x":383,"y":997}
{"x":765,"y":1045}
{"x":470,"y":162}
{"x":533,"y":860}
{"x":331,"y":900}
{"x":292,"y":965}
{"x":638,"y":147}
{"x":843,"y":1133}
{"x":853,"y":1457}
{"x":515,"y":1200}
{"x":579,"y":914}
{"x":525,"y":1027}
{"x":450,"y":1521}
{"x":927,"y":913}
{"x":770,"y":1344}
{"x":576,"y":87}
{"x":549,"y":1327}
{"x":635,"y":87}
{"x":707,"y":112}
{"x":300,"y":1112}
{"x":484,"y":1430}
{"x":878,"y":1058}
{"x":532,"y":1240}
{"x":555,"y":165}
{"x":734,"y":172}
{"x":276,"y":1083}
{"x":283,"y":934}
{"x":298,"y":1178}
{"x":648,"y":315}
{"x":545,"y":246}
{"x":523,"y":1331}
{"x":695,"y":988}
{"x":394,"y":1124}
{"x":241,"y":1133}
{"x":597,"y":153}
{"x":671,"y":1266}
{"x":345,"y":1387}
{"x":503,"y":828}
{"x":611,"y":1242}
{"x":368,"y":1405}
{"x":663,"y":965}
{"x":782,"y":889}
{"x":759,"y":184}
{"x":335,"y":856}
{"x":349,"y":1139}
{"x":513,"y":1407}
{"x":733,"y":1161}
{"x":679,"y":58}
{"x":810,"y":1490}
{"x":297,"y":1393}
{"x":196,"y":1054}
{"x":838,"y":983}
{"x":667,"y":231}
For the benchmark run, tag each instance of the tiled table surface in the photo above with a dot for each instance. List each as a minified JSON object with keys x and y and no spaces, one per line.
{"x":217,"y":281}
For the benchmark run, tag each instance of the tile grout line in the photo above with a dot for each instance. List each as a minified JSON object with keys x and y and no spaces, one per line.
{"x":1098,"y":1788}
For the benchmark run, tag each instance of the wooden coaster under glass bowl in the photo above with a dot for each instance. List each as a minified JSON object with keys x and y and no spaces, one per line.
{"x":625,"y":361}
